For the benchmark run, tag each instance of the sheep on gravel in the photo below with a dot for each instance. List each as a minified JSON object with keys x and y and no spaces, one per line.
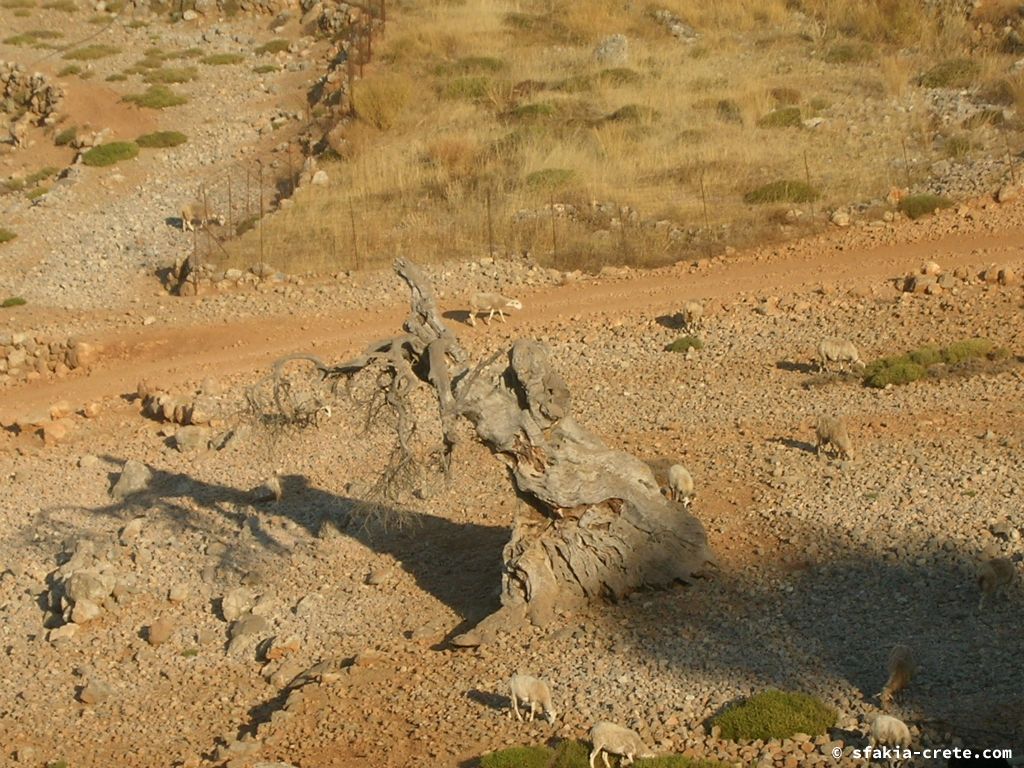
{"x":491,"y":303}
{"x":831,"y":430}
{"x":534,"y":692}
{"x":901,"y":669}
{"x":195,"y":214}
{"x":607,"y":738}
{"x":693,"y":315}
{"x":994,"y":576}
{"x":888,"y":731}
{"x":837,"y":351}
{"x":680,"y":484}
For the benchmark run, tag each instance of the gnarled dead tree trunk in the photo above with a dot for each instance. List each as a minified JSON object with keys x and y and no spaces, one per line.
{"x":599,"y":525}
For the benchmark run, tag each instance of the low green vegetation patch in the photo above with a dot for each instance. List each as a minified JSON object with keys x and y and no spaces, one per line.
{"x":15,"y":4}
{"x":265,"y":69}
{"x":221,"y":59}
{"x":929,"y":360}
{"x":92,"y":52}
{"x":156,"y":97}
{"x":916,"y":206}
{"x":783,"y":191}
{"x":534,"y":110}
{"x":36,"y":193}
{"x":850,"y":52}
{"x":161,"y":139}
{"x":6,"y":235}
{"x":109,"y":154}
{"x":684,"y":344}
{"x":952,"y":73}
{"x":775,"y":714}
{"x":43,"y":173}
{"x":470,"y":87}
{"x":64,"y":6}
{"x":783,"y":117}
{"x":280,"y":45}
{"x":117,"y":77}
{"x":171,"y":75}
{"x":69,"y":70}
{"x":34,"y":37}
{"x":469,"y":65}
{"x":13,"y":301}
{"x":633,"y":113}
{"x":575,"y":754}
{"x":66,"y":136}
{"x":550,"y":177}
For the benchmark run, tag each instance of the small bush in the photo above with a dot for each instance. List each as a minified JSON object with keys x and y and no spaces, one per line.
{"x":43,"y":173}
{"x":893,"y":370}
{"x":279,"y":45}
{"x":925,"y":356}
{"x":550,"y":177}
{"x":161,"y":139}
{"x":66,"y":136}
{"x":36,"y":193}
{"x":117,"y":77}
{"x":13,"y":301}
{"x":92,"y":52}
{"x":571,"y":754}
{"x":619,"y":76}
{"x":34,"y":37}
{"x":729,"y":111}
{"x":957,"y":147}
{"x":108,"y":154}
{"x":983,"y":117}
{"x":69,"y":70}
{"x":534,"y":110}
{"x":6,"y":235}
{"x":633,"y":113}
{"x":916,"y":206}
{"x":64,"y":6}
{"x":518,"y":757}
{"x":470,"y":65}
{"x":959,"y":351}
{"x":684,"y":344}
{"x":849,"y":53}
{"x":380,"y":100}
{"x":17,"y":4}
{"x":473,"y":88}
{"x":952,"y":73}
{"x":775,"y":714}
{"x":784,"y":117}
{"x":171,"y":75}
{"x":187,"y":53}
{"x":786,"y":191}
{"x":265,"y":69}
{"x":785,"y":97}
{"x":156,"y":97}
{"x":221,"y":59}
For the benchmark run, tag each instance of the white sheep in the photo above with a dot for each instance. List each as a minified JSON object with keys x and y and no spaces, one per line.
{"x":838,"y":351}
{"x":195,"y":214}
{"x":491,"y":302}
{"x":608,"y":738}
{"x":831,"y":430}
{"x":902,"y":667}
{"x":888,"y":731}
{"x":680,"y":484}
{"x":693,"y":315}
{"x":534,"y":692}
{"x":994,"y":576}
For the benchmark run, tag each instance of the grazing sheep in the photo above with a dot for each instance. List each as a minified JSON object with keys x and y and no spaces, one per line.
{"x":532,"y":691}
{"x":608,"y":738}
{"x":838,"y":351}
{"x":901,"y":669}
{"x":994,"y":576}
{"x":888,"y":731}
{"x":680,"y":484}
{"x":491,"y":302}
{"x":195,"y":214}
{"x":831,"y":430}
{"x":693,"y":315}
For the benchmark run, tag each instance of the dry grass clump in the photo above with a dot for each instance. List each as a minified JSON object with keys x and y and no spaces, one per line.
{"x":171,"y":75}
{"x":92,"y":52}
{"x":381,"y":99}
{"x":156,"y":97}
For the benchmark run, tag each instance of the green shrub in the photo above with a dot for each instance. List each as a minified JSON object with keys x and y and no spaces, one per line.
{"x":729,"y":111}
{"x":534,"y":110}
{"x":220,"y":59}
{"x":380,"y":100}
{"x":108,"y":154}
{"x":775,"y":714}
{"x":65,"y":6}
{"x":783,"y":117}
{"x":550,"y":177}
{"x":785,"y":97}
{"x":916,"y":206}
{"x":571,"y":754}
{"x":518,"y":757}
{"x":470,"y":65}
{"x":13,"y":301}
{"x":6,"y":235}
{"x":265,"y":69}
{"x":43,"y":173}
{"x":849,"y":53}
{"x":117,"y":77}
{"x":957,"y":147}
{"x":619,"y":76}
{"x":92,"y":52}
{"x":925,"y":356}
{"x":684,"y":344}
{"x":161,"y":139}
{"x":959,"y":351}
{"x":34,"y":37}
{"x":171,"y":75}
{"x":187,"y":53}
{"x":156,"y":97}
{"x":37,"y":193}
{"x":952,"y":73}
{"x":279,"y":45}
{"x":633,"y":113}
{"x":66,"y":136}
{"x":893,"y":370}
{"x":472,"y":88}
{"x":785,"y":191}
{"x":69,"y":70}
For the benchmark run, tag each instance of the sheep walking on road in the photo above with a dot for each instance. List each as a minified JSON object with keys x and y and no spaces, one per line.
{"x":838,"y":351}
{"x":531,"y":691}
{"x":491,"y":303}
